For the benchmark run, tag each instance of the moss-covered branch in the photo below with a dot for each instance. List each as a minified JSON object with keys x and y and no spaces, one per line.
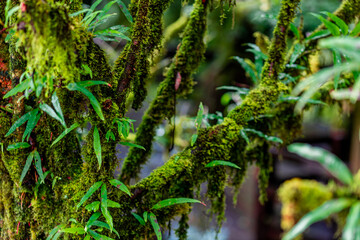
{"x":177,"y":83}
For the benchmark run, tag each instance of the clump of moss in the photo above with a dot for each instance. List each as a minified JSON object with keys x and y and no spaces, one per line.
{"x":300,"y":197}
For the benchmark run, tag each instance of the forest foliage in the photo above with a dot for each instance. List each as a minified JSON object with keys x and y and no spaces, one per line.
{"x":63,"y":112}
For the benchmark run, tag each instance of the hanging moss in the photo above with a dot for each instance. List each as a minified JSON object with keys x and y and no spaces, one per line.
{"x":181,"y":232}
{"x":187,"y":59}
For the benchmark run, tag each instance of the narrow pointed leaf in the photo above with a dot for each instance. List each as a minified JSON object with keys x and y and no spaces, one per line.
{"x":155,"y":225}
{"x":19,"y":122}
{"x":331,"y":162}
{"x":318,"y":34}
{"x":320,"y":213}
{"x":343,"y":26}
{"x":54,"y":231}
{"x":94,"y":206}
{"x":125,"y":11}
{"x":118,"y":184}
{"x":222,"y":163}
{"x":113,"y":204}
{"x":27,"y":166}
{"x":329,"y":25}
{"x":38,"y":166}
{"x":92,"y":83}
{"x":356,"y":30}
{"x":173,"y":201}
{"x":141,"y":221}
{"x":98,"y":236}
{"x":193,"y":139}
{"x":97,"y":146}
{"x":132,"y":145}
{"x":64,"y":133}
{"x":105,"y":225}
{"x":94,"y":102}
{"x":46,"y":108}
{"x":18,"y":145}
{"x":352,"y":223}
{"x":33,"y":120}
{"x":89,"y":193}
{"x":74,"y":230}
{"x":92,"y":219}
{"x":248,"y":69}
{"x":104,"y":207}
{"x":56,"y":103}
{"x":19,"y":88}
{"x":145,"y":216}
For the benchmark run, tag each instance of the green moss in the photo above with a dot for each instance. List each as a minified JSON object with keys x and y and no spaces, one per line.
{"x":48,"y":36}
{"x":186,"y":61}
{"x":298,"y":198}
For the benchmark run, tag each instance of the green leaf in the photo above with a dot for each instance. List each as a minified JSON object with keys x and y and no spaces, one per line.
{"x":74,"y":230}
{"x":91,"y":220}
{"x":298,"y":50}
{"x":38,"y":166}
{"x":199,"y":117}
{"x":113,"y":204}
{"x":105,"y":225}
{"x":173,"y":201}
{"x":320,"y":213}
{"x":18,"y":145}
{"x":248,"y":69}
{"x":46,"y":108}
{"x":33,"y":120}
{"x":241,"y":91}
{"x":9,"y":13}
{"x":56,"y":103}
{"x":19,"y":122}
{"x":80,"y":12}
{"x":64,"y":133}
{"x":99,"y":236}
{"x":261,"y":134}
{"x":19,"y":88}
{"x":356,"y":30}
{"x":132,"y":145}
{"x":118,"y":184}
{"x":318,"y":34}
{"x":295,"y":30}
{"x":104,"y":207}
{"x":155,"y":225}
{"x":97,"y":146}
{"x":334,"y":30}
{"x":293,"y":99}
{"x":343,"y":26}
{"x":27,"y":166}
{"x":125,"y":11}
{"x":89,"y":193}
{"x":351,"y":227}
{"x":222,"y":163}
{"x":92,"y":83}
{"x":244,"y":136}
{"x":94,"y":102}
{"x":141,"y":221}
{"x":331,"y":162}
{"x":110,"y":134}
{"x":145,"y":216}
{"x":193,"y":139}
{"x":54,"y":231}
{"x":94,"y":206}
